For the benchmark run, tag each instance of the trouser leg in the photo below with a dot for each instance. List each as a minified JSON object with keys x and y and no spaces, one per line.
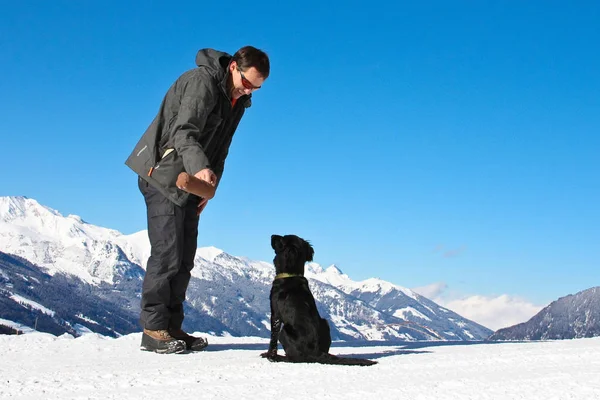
{"x":172,"y":231}
{"x":180,"y":281}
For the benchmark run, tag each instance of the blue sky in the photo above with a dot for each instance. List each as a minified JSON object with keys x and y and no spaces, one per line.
{"x":451,"y":144}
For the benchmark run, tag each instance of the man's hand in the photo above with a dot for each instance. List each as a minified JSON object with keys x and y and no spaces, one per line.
{"x":209,"y":176}
{"x":201,"y":206}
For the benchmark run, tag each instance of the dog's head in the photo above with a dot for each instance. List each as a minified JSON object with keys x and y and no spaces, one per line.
{"x":291,"y":253}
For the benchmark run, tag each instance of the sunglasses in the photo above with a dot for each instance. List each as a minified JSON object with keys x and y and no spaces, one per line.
{"x":246,"y":83}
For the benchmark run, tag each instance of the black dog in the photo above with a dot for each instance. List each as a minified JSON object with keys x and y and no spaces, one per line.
{"x":295,"y":320}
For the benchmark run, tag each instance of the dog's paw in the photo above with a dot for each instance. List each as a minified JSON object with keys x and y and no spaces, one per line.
{"x":269,"y":355}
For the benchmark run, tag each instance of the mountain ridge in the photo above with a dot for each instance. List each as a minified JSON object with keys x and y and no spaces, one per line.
{"x":570,"y":317}
{"x":227,"y":294}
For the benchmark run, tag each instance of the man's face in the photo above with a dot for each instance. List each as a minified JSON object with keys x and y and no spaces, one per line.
{"x":244,"y":82}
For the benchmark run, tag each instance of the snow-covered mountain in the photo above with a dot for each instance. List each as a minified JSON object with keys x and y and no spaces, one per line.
{"x":570,"y":317}
{"x":62,"y":303}
{"x":227,"y":294}
{"x":67,"y":244}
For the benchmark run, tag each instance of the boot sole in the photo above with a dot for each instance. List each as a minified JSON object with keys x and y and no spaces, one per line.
{"x":198,"y":348}
{"x":157,"y":346}
{"x":195,"y":345}
{"x":176,"y":350}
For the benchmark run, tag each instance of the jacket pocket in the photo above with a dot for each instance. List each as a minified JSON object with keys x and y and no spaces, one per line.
{"x":166,"y":171}
{"x":162,"y":208}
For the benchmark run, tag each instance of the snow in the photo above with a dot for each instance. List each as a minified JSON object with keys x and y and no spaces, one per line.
{"x":335,"y":277}
{"x":136,"y":247}
{"x":82,"y":330}
{"x":331,"y":275}
{"x":39,"y":365}
{"x":401,"y":313}
{"x":4,"y":275}
{"x":209,"y":253}
{"x":466,"y":332}
{"x":29,"y":230}
{"x":83,"y":317}
{"x":16,"y":325}
{"x":30,"y":303}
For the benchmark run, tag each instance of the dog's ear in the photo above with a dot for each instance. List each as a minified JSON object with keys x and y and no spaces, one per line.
{"x":277,"y":243}
{"x":310,"y":252}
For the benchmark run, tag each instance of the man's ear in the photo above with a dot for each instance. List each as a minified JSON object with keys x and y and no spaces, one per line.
{"x":277,"y":243}
{"x":310,"y":252}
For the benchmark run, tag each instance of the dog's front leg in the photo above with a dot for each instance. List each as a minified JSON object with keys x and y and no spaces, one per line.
{"x":275,"y":328}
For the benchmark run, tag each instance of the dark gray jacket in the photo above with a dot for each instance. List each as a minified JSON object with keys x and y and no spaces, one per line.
{"x":196,"y":120}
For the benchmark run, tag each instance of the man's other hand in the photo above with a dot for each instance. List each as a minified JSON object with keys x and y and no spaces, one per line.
{"x":209,"y":176}
{"x":202,"y":206}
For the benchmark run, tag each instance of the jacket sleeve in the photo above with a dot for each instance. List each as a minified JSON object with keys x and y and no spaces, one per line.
{"x":218,"y":170}
{"x":220,"y":166}
{"x":197,"y":101}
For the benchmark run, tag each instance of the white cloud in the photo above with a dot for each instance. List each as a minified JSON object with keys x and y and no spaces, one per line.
{"x":493,"y":312}
{"x":449,"y":253}
{"x":431,"y":291}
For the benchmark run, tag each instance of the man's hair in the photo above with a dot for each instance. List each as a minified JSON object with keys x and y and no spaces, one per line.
{"x":248,"y":57}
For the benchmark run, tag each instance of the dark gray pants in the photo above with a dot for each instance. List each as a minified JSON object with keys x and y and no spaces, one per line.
{"x":173,"y":233}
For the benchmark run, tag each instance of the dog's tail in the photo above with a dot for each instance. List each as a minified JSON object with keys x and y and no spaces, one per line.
{"x":325,"y":358}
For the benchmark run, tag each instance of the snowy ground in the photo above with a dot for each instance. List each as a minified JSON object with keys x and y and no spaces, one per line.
{"x":41,"y":366}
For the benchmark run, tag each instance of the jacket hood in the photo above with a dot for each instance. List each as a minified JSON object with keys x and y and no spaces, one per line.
{"x":213,"y":59}
{"x":217,"y":62}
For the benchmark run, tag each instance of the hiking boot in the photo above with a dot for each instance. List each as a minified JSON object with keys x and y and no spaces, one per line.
{"x":161,"y":342}
{"x":192,"y":343}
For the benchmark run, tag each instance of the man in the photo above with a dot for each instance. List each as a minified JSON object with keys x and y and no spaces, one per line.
{"x":192,"y":132}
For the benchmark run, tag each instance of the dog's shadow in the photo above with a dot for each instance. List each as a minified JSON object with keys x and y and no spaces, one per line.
{"x":383,"y":354}
{"x":400,"y":347}
{"x":262,"y":347}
